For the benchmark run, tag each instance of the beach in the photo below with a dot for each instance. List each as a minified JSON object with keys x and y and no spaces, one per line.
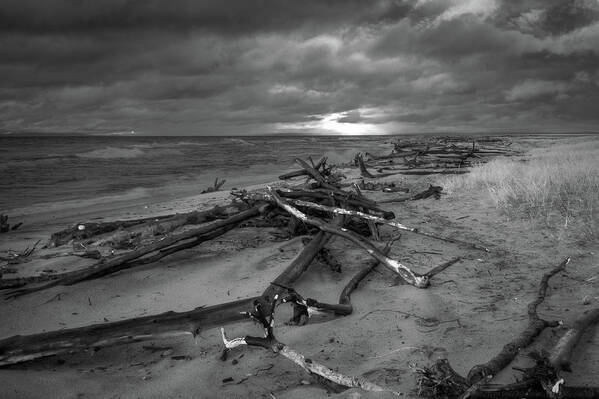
{"x":468,"y":314}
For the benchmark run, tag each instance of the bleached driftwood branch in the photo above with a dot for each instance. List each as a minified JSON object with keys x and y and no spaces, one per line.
{"x":406,"y":273}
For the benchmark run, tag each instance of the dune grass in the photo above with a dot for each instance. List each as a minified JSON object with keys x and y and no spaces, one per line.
{"x":558,"y":184}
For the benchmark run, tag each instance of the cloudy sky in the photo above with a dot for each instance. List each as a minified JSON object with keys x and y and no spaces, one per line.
{"x":288,"y":66}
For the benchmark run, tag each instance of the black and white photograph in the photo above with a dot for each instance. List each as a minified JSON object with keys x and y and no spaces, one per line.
{"x":279,"y":199}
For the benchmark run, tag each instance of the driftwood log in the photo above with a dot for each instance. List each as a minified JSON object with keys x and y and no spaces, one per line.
{"x":123,"y":261}
{"x":525,"y":338}
{"x":86,"y":230}
{"x":165,"y":325}
{"x":263,"y":314}
{"x":442,"y":381}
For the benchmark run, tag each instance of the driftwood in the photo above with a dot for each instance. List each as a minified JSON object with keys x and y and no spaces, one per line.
{"x":87,"y":230}
{"x":303,"y":172}
{"x":349,"y":199}
{"x":561,"y":356}
{"x":431,"y":191}
{"x":308,"y":306}
{"x":562,"y":353}
{"x":316,"y":175}
{"x":435,"y":156}
{"x":215,"y":187}
{"x":525,"y":338}
{"x":442,"y":381}
{"x":365,"y":173}
{"x":411,"y":277}
{"x":309,"y":365}
{"x":121,"y":262}
{"x":165,"y":325}
{"x":365,"y":216}
{"x":263,"y":314}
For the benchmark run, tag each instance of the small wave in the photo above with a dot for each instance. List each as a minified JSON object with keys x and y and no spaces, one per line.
{"x":149,"y":146}
{"x":134,"y":152}
{"x":112,"y":152}
{"x":238,"y":141}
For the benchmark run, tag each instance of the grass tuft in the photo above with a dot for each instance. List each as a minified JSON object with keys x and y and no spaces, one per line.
{"x":550,"y":184}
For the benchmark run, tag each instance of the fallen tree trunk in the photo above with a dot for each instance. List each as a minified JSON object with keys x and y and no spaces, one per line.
{"x":165,"y":325}
{"x":87,"y":230}
{"x":122,"y":261}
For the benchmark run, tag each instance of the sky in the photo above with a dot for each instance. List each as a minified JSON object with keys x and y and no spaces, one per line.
{"x":225,"y":67}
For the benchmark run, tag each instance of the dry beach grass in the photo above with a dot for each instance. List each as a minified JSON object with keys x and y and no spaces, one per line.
{"x":557,"y":186}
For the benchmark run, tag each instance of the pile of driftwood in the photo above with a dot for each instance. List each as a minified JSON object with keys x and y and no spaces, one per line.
{"x":321,"y":207}
{"x":445,"y":155}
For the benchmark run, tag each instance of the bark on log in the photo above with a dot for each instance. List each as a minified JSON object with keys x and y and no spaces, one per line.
{"x":561,"y":356}
{"x":123,"y":261}
{"x":18,"y":348}
{"x":524,"y":339}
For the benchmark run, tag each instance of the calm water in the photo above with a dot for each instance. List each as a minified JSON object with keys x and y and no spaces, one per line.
{"x":38,"y":170}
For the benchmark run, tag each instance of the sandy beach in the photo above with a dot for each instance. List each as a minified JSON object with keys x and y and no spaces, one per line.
{"x":469,"y":312}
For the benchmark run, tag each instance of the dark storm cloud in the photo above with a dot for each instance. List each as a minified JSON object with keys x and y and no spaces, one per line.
{"x":228,"y":67}
{"x":223,"y":16}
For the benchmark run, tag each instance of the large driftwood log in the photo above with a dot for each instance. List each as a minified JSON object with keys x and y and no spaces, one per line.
{"x":87,"y":230}
{"x":121,"y":262}
{"x":406,"y":273}
{"x":165,"y":325}
{"x":561,"y":356}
